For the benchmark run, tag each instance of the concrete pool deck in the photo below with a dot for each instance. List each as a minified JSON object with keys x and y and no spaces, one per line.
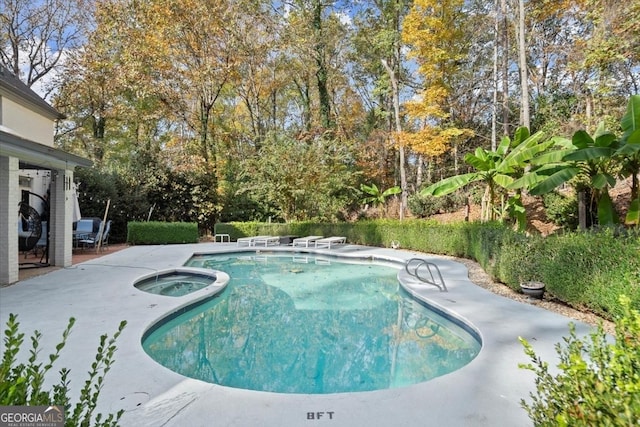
{"x":100,"y":293}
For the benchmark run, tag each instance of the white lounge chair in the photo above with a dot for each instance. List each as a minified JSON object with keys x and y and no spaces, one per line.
{"x":306,"y":241}
{"x":265,"y":241}
{"x":248,"y":240}
{"x":329,"y":241}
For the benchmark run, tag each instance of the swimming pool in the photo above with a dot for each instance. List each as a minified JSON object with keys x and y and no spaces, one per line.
{"x":299,"y":323}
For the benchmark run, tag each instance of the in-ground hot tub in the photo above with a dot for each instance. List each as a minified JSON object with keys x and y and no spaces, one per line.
{"x":180,"y":282}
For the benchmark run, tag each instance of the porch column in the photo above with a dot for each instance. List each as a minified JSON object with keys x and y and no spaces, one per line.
{"x":61,"y":218}
{"x":9,"y":199}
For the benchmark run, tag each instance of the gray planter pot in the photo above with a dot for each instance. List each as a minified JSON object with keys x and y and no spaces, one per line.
{"x":532,"y":289}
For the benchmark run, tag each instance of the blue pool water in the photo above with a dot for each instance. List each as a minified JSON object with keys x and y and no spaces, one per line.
{"x":300,"y":324}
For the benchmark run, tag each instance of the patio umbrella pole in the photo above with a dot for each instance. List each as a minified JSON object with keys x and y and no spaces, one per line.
{"x":104,"y":220}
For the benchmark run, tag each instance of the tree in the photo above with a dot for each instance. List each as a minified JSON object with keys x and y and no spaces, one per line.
{"x":108,"y":92}
{"x":380,"y":42}
{"x":36,"y":35}
{"x":313,"y":36}
{"x":433,"y":29}
{"x":315,"y":184}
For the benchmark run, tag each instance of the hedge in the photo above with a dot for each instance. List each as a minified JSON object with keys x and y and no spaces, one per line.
{"x":161,"y":233}
{"x":587,"y":270}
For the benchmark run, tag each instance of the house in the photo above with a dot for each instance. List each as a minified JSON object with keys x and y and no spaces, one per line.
{"x":26,"y":152}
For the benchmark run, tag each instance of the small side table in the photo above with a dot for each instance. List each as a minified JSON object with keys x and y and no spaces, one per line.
{"x":222,"y":238}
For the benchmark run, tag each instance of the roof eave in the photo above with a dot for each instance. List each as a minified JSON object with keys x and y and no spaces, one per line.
{"x":37,"y":154}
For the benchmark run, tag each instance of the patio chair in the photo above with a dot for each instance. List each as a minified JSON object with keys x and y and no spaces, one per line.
{"x":327,"y":242}
{"x":83,"y":231}
{"x":105,"y":234}
{"x":92,"y":241}
{"x":89,"y":232}
{"x":306,"y":241}
{"x":248,"y":240}
{"x":266,"y":241}
{"x":41,"y":245}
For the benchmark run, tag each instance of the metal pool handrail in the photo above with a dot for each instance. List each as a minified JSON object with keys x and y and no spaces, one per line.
{"x":434,"y":277}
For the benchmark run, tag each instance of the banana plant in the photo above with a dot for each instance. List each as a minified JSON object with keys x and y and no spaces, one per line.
{"x":498,"y":170}
{"x":590,"y":160}
{"x":593,"y":162}
{"x":375,"y":196}
{"x":629,"y":154}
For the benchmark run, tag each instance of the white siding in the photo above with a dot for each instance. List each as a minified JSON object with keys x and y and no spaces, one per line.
{"x":26,"y":123}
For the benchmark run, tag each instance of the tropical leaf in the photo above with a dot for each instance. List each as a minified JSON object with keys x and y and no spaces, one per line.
{"x":503,"y":180}
{"x":630,"y":122}
{"x":589,"y":153}
{"x":391,"y":191}
{"x":451,"y":184}
{"x":632,"y":145}
{"x":603,"y":180}
{"x":606,"y":212}
{"x":550,"y":157}
{"x":633,"y":214}
{"x":376,"y":196}
{"x":521,"y":135}
{"x":582,"y":139}
{"x":605,"y":140}
{"x":528,"y":180}
{"x":503,"y":147}
{"x":480,"y":160}
{"x":555,"y":180}
{"x":518,"y":211}
{"x":370,"y":189}
{"x":524,"y":156}
{"x":603,"y":137}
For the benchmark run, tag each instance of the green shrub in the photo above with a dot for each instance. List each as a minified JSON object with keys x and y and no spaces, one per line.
{"x":561,"y":210}
{"x":423,"y":206}
{"x":22,"y":384}
{"x":599,"y":380}
{"x":161,"y":233}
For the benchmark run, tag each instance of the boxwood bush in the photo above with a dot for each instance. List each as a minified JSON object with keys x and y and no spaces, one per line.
{"x":161,"y":233}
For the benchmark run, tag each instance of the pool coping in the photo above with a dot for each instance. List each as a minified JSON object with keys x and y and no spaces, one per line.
{"x":100,"y":293}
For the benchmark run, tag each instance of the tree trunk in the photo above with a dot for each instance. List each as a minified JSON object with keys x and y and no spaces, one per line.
{"x":494,"y":106}
{"x":396,"y":111}
{"x":204,"y":127}
{"x":321,"y":72}
{"x":524,"y":79}
{"x":505,"y":68}
{"x":455,"y":158}
{"x":582,"y":210}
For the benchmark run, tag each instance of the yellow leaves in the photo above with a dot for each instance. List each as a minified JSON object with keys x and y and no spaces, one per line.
{"x":433,"y":30}
{"x":430,"y":103}
{"x":431,"y":140}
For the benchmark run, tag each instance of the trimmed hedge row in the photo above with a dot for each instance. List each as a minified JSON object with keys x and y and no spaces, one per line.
{"x":161,"y":233}
{"x":584,"y":269}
